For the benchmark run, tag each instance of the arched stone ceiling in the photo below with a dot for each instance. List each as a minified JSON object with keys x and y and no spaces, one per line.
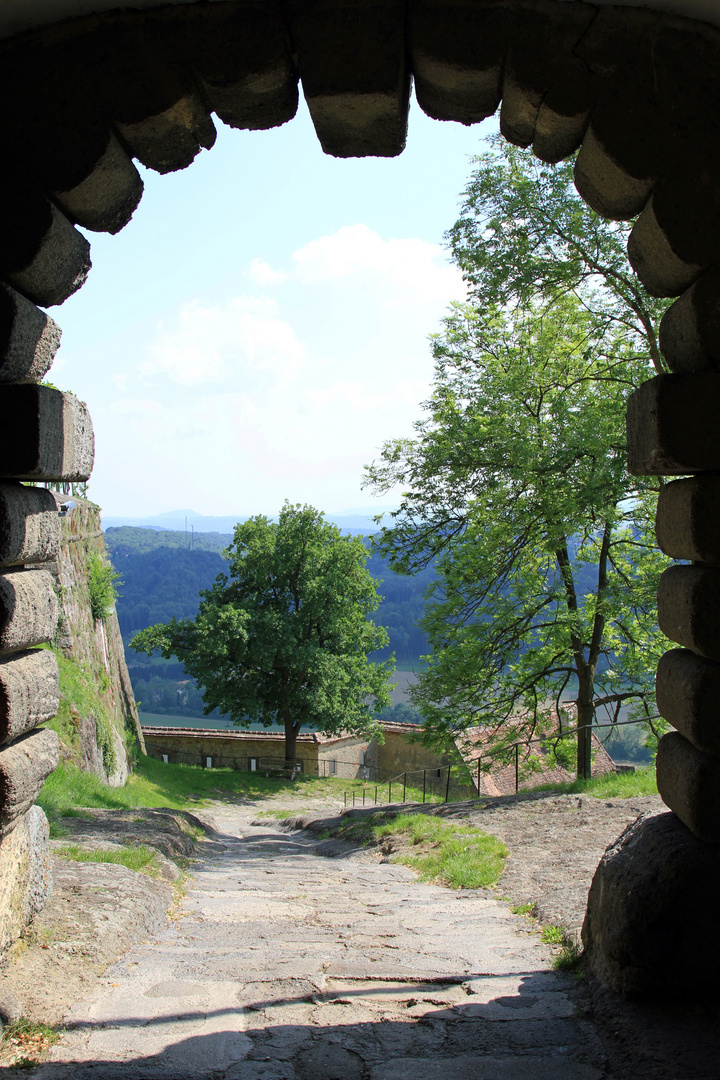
{"x":633,"y":87}
{"x":18,"y":15}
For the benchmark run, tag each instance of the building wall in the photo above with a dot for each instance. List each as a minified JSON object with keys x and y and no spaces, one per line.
{"x":226,"y":750}
{"x":400,"y":753}
{"x":350,"y":758}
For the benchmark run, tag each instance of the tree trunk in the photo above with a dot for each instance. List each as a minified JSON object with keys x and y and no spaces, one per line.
{"x":291,"y":734}
{"x":585,"y":714}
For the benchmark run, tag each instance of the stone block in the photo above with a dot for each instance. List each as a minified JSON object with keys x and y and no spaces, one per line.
{"x":564,"y":115}
{"x":44,"y":435}
{"x":688,"y":780}
{"x":105,"y":199}
{"x":688,"y":697}
{"x":672,"y":425}
{"x":56,"y":267}
{"x":688,"y":604}
{"x":354,"y":73}
{"x":540,"y":54}
{"x":29,"y":339}
{"x":651,"y":927}
{"x":659,"y":267}
{"x":457,"y":51}
{"x":28,"y":609}
{"x":241,"y":54}
{"x":29,"y":524}
{"x":171,"y":139}
{"x":24,"y":767}
{"x":29,"y":692}
{"x":604,"y":185}
{"x":690,"y":328}
{"x":25,"y":876}
{"x":155,"y":106}
{"x":686,"y":523}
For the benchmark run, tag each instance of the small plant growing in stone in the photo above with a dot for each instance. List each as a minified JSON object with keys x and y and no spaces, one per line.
{"x":101,"y":583}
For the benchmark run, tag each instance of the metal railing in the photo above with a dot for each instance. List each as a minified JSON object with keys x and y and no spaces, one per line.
{"x":556,"y":738}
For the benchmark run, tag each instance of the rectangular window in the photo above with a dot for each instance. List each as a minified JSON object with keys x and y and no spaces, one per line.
{"x":253,"y":764}
{"x":363,"y":756}
{"x":332,"y":766}
{"x":165,"y":758}
{"x":208,"y":763}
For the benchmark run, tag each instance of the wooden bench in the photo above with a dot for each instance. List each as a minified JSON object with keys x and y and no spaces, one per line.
{"x":280,"y":766}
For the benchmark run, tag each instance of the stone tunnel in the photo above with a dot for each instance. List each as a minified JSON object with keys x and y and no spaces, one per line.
{"x":632,"y":87}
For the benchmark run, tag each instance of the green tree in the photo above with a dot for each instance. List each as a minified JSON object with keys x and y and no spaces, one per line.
{"x":524,"y":235}
{"x":516,"y":485}
{"x":283,"y":637}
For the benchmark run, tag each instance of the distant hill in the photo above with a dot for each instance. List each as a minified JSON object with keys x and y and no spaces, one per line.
{"x":357,"y":522}
{"x":132,"y":540}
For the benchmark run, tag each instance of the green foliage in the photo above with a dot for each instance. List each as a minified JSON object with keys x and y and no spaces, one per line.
{"x":458,"y":856}
{"x":284,"y":636}
{"x":516,"y":482}
{"x":525,"y":235}
{"x":101,"y":583}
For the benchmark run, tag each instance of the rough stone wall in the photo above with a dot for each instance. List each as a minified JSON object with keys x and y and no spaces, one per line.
{"x":96,"y":645}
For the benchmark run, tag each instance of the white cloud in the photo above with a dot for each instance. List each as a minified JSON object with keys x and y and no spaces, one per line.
{"x":257,"y":398}
{"x":210,"y":344}
{"x":262,"y":273}
{"x":404,"y":272}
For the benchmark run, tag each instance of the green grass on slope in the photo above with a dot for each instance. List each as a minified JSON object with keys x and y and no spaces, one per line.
{"x":611,"y":786}
{"x":140,"y":858}
{"x":459,"y":856}
{"x":155,"y":783}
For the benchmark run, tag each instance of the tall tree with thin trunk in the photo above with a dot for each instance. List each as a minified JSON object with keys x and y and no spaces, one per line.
{"x":516,"y":484}
{"x":283,"y":638}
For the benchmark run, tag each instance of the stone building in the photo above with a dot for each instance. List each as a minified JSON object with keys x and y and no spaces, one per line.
{"x":91,"y":86}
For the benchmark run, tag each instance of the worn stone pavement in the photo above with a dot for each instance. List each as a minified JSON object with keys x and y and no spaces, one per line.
{"x":287,"y":965}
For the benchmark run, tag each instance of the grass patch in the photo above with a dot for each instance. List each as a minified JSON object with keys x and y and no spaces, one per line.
{"x":568,"y":958}
{"x":141,"y":858}
{"x":611,"y":786}
{"x":24,"y":1042}
{"x":457,"y":856}
{"x":524,"y":909}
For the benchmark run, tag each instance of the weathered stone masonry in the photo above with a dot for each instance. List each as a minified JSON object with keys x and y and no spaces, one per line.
{"x":635,"y":90}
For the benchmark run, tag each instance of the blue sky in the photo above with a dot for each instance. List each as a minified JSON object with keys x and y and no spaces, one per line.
{"x":260,"y":326}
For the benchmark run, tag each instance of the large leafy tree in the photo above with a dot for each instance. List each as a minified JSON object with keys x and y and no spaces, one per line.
{"x":284,"y":636}
{"x":516,"y":483}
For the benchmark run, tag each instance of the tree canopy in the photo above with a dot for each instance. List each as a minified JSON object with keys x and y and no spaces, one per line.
{"x":283,"y":637}
{"x":516,"y":483}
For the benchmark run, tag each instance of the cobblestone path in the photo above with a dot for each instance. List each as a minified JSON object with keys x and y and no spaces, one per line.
{"x":286,"y":965}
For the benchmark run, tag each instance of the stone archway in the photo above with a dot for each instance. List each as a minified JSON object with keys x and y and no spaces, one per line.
{"x":633,"y":89}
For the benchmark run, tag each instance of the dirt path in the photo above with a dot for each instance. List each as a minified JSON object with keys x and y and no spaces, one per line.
{"x":290,"y":966}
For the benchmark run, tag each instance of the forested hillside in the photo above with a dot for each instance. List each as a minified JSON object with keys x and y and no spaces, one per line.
{"x":162,"y":574}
